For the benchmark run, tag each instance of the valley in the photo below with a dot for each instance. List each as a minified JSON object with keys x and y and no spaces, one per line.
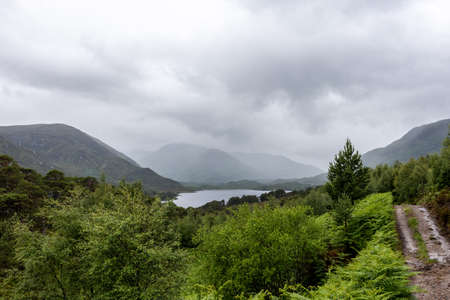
{"x":333,"y":232}
{"x":224,"y":150}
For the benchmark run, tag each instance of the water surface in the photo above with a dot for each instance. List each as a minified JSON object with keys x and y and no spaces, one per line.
{"x":199,"y":198}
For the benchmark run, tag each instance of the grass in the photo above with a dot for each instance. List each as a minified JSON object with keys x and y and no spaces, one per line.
{"x":421,"y":246}
{"x":413,"y":224}
{"x":407,"y":210}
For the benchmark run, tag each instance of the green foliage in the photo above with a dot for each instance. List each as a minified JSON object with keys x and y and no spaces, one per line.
{"x":421,"y":246}
{"x":421,"y":179}
{"x":370,"y":215}
{"x":443,"y":176}
{"x":343,"y":210}
{"x":381,"y":179}
{"x":264,"y":248}
{"x":347,"y":175}
{"x":126,"y":248}
{"x":377,"y":273}
{"x":7,"y":244}
{"x":20,"y":189}
{"x":412,"y":180}
{"x":319,"y":201}
{"x":440,"y":208}
{"x":13,"y":202}
{"x":241,"y":200}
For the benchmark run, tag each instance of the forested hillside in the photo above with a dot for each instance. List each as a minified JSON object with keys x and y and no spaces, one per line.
{"x":57,"y":146}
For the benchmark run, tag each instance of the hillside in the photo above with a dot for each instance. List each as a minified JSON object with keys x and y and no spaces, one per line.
{"x":57,"y":146}
{"x":196,"y":164}
{"x":190,"y":163}
{"x":24,"y":157}
{"x":271,"y":166}
{"x":419,"y":141}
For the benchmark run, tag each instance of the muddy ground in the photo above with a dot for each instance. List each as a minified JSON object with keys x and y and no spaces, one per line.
{"x":434,"y":277}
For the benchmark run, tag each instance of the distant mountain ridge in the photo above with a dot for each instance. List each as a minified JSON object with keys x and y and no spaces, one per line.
{"x":58,"y":146}
{"x":419,"y":141}
{"x":271,"y":166}
{"x":197,"y":164}
{"x":191,"y":163}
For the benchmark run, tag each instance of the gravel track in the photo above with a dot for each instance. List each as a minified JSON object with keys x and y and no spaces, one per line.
{"x":433,"y":278}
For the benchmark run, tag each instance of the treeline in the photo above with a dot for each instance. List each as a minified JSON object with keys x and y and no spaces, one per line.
{"x":22,"y":190}
{"x":425,"y":180}
{"x":77,"y":238}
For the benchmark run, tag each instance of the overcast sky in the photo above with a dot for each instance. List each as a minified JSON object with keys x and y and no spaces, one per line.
{"x":284,"y":77}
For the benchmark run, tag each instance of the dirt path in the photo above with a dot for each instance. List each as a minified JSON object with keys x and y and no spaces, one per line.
{"x":434,"y":278}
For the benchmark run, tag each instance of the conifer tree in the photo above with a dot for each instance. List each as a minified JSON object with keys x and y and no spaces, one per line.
{"x":347,"y":175}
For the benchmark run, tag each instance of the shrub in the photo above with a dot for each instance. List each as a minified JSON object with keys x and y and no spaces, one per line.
{"x":263,"y":249}
{"x":378,"y":272}
{"x":370,"y":215}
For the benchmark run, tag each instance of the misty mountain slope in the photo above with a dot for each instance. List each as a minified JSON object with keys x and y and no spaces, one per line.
{"x":271,"y":166}
{"x":215,"y":166}
{"x":62,"y":147}
{"x":419,"y":141}
{"x":152,"y":181}
{"x":173,"y":160}
{"x":196,"y":164}
{"x":191,"y":163}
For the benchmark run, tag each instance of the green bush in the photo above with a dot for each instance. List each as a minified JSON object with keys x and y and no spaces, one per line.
{"x":378,"y":272}
{"x":440,"y":208}
{"x":263,"y":249}
{"x":370,"y":215}
{"x":123,"y":249}
{"x":319,"y":201}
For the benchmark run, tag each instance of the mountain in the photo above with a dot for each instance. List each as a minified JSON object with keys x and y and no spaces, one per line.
{"x":419,"y":141}
{"x":320,"y":179}
{"x":285,"y":184}
{"x":191,"y":163}
{"x":271,"y":166}
{"x":317,"y":180}
{"x":196,"y":164}
{"x":22,"y":156}
{"x":57,"y":146}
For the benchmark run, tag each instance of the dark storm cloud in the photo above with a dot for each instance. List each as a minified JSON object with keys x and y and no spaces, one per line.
{"x":293,"y":77}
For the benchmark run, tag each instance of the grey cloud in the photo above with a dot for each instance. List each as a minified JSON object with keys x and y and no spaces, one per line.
{"x":294,"y":77}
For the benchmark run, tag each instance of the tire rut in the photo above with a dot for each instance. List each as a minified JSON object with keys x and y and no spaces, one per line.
{"x":433,"y":278}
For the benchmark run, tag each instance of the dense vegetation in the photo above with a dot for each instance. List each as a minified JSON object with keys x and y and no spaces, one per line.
{"x":110,"y":243}
{"x":77,"y":238}
{"x":425,"y":180}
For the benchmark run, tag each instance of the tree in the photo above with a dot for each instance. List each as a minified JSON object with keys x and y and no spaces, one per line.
{"x":343,"y":209}
{"x":444,"y":176}
{"x":347,"y":175}
{"x":381,"y":179}
{"x":319,"y":201}
{"x":263,"y":249}
{"x":129,"y":250}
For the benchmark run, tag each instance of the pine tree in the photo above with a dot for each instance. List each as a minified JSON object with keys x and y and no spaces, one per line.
{"x":347,"y":175}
